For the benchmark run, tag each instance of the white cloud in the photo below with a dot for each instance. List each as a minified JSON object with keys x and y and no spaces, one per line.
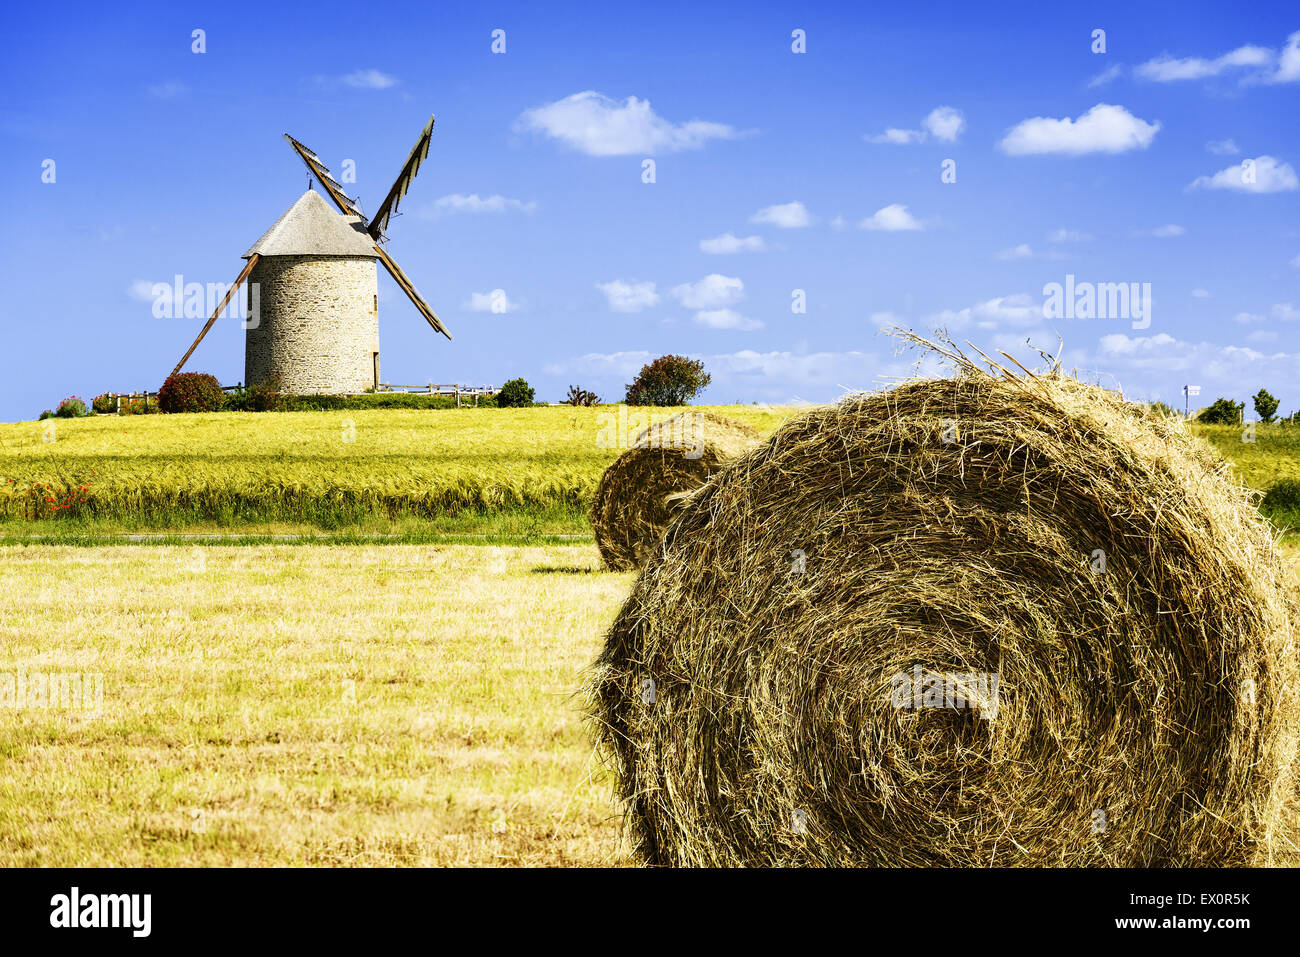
{"x":943,"y":123}
{"x":839,"y":222}
{"x":731,"y":243}
{"x":1064,"y":235}
{"x":368,"y":80}
{"x":726,"y":319}
{"x":628,"y":295}
{"x":1263,"y":174}
{"x":1117,"y":343}
{"x":1167,"y":69}
{"x":897,"y":137}
{"x":1262,"y":335}
{"x":787,"y":215}
{"x":1020,"y":309}
{"x":1103,"y":129}
{"x":1226,"y":147}
{"x":1199,"y":293}
{"x":1288,"y":66}
{"x":1107,"y":75}
{"x":1023,"y":251}
{"x":141,"y":290}
{"x":1245,"y":318}
{"x":712,"y":292}
{"x":892,"y":218}
{"x":473,"y":203}
{"x":599,"y":126}
{"x":1286,"y":311}
{"x":495,"y":301}
{"x":1168,"y":231}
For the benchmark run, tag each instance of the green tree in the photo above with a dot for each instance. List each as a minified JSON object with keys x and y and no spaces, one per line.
{"x":517,"y":393}
{"x":1265,"y":406}
{"x":669,"y":380}
{"x":1222,"y":412}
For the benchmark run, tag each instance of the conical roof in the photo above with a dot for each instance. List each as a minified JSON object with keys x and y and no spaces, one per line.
{"x":311,"y":228}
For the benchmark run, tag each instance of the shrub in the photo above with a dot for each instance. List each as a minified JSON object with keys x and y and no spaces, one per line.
{"x":1222,"y":412}
{"x":47,"y":414}
{"x":1163,"y":408}
{"x":669,"y":380}
{"x":138,"y":405}
{"x":104,"y":403}
{"x":1265,"y":406}
{"x":515,"y":394}
{"x":191,"y":392}
{"x":579,"y":396}
{"x":72,"y":408}
{"x":1282,"y":496}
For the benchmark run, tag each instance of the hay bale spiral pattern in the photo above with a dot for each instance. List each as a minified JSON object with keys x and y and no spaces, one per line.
{"x":1092,"y":556}
{"x":632,"y":505}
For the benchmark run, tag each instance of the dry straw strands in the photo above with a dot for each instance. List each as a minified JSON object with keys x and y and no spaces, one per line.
{"x":1094,"y":559}
{"x":632,"y":504}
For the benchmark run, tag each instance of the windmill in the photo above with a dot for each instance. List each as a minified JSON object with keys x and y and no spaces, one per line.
{"x":313,"y":296}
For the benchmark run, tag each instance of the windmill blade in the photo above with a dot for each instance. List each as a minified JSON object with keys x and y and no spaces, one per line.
{"x":230,"y":294}
{"x":346,"y":204}
{"x":408,"y":287}
{"x":403,"y":182}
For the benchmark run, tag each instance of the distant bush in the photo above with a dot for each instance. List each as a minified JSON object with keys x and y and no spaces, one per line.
{"x":263,"y":397}
{"x":47,"y":414}
{"x":669,"y":380}
{"x":515,"y":394}
{"x":579,"y":396}
{"x":191,"y":392}
{"x":1161,"y":408}
{"x":138,"y":405}
{"x":104,"y":404}
{"x":1281,"y":502}
{"x":1222,"y":412}
{"x":1265,"y":406}
{"x":72,"y":408}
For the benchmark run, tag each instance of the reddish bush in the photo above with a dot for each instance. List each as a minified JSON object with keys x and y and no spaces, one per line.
{"x":191,"y":392}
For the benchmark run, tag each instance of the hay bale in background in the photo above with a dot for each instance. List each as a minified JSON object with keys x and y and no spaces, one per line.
{"x":631,"y":507}
{"x":1092,"y":557}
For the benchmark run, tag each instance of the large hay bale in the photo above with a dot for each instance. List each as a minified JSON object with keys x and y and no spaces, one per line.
{"x":1092,"y":557}
{"x":635,"y":498}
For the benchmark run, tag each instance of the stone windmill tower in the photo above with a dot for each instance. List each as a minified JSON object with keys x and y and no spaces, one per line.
{"x":313,"y":300}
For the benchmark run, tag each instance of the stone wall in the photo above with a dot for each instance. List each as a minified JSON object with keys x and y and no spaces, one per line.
{"x":318,"y":324}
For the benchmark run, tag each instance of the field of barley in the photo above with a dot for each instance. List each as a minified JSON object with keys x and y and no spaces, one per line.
{"x":310,"y":705}
{"x":457,"y":467}
{"x":408,"y":703}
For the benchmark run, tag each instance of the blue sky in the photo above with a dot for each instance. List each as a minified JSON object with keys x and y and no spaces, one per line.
{"x":775,"y":171}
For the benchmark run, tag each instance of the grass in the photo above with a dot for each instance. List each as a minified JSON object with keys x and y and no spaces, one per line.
{"x":306,"y":705}
{"x":348,"y":469}
{"x":310,"y":705}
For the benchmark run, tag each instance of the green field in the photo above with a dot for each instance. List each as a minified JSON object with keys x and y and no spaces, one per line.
{"x":416,"y":475}
{"x":509,"y":471}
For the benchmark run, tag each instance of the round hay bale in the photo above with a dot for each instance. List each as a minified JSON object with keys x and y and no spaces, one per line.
{"x":632,"y":504}
{"x":805,"y":673}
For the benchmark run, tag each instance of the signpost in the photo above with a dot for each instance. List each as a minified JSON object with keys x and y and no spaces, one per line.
{"x":1188,"y":392}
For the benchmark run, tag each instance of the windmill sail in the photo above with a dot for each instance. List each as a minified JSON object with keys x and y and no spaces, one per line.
{"x":230,"y":294}
{"x":403,"y":182}
{"x":318,"y":169}
{"x":408,"y":287}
